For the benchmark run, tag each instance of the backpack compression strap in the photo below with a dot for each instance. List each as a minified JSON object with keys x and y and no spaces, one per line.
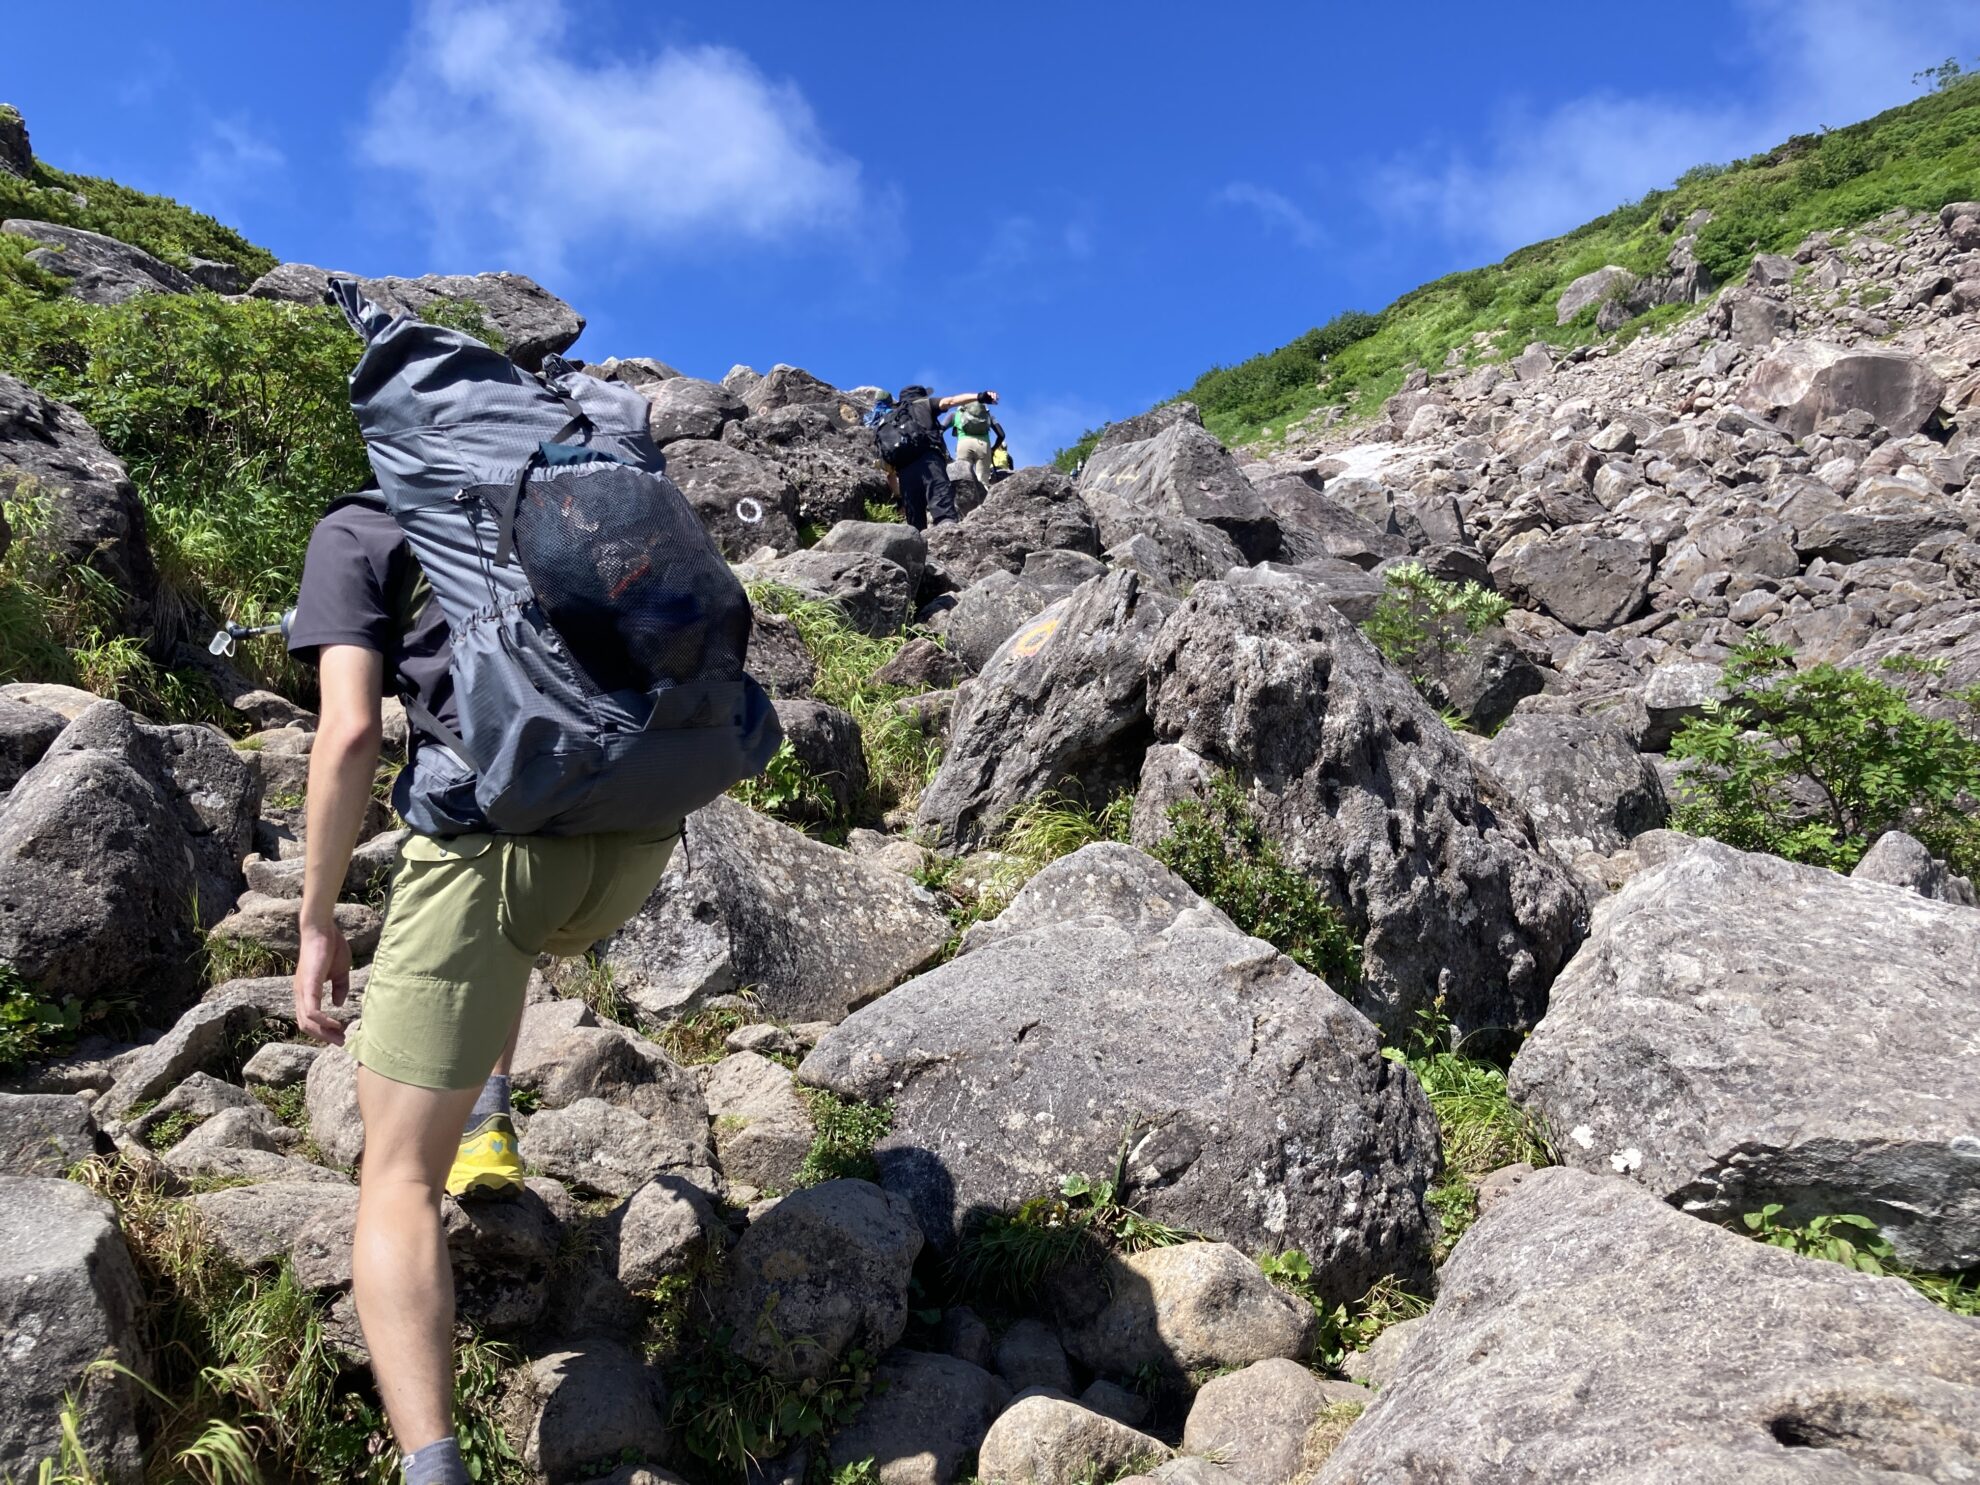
{"x":506,"y":517}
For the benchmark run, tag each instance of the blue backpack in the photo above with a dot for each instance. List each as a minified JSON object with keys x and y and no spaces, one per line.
{"x":598,"y":634}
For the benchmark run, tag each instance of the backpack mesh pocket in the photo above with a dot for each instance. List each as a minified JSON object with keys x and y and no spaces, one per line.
{"x":624,"y":571}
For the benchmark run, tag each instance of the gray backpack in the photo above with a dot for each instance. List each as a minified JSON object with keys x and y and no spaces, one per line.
{"x":598,"y":635}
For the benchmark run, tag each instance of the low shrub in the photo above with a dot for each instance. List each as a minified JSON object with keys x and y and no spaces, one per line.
{"x":1814,"y":765}
{"x":843,"y":1135}
{"x":1218,"y":846}
{"x":1857,"y":1242}
{"x":1420,"y":619}
{"x":1004,"y":1259}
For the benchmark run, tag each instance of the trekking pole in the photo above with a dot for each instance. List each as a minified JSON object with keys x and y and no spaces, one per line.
{"x":231,"y":634}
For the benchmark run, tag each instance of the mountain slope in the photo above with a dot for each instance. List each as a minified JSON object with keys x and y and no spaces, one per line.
{"x":1919,"y":156}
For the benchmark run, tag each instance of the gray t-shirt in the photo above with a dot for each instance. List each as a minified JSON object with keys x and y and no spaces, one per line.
{"x":361,"y":585}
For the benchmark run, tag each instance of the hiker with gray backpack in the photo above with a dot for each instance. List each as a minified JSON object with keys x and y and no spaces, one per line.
{"x":978,"y":436}
{"x":909,"y":430}
{"x":568,"y":644}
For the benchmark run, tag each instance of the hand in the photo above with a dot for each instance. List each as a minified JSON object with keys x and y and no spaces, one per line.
{"x":326,"y":955}
{"x":989,"y":396}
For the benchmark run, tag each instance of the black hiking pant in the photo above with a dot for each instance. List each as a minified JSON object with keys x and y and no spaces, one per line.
{"x":926,"y":492}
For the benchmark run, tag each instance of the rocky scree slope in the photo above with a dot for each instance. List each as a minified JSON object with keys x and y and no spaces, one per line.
{"x":819,"y":1179}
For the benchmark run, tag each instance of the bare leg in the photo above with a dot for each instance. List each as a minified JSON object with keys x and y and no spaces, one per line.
{"x":401,"y":1277}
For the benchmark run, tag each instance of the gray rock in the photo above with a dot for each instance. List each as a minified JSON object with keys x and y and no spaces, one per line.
{"x":604,"y":1150}
{"x":595,"y":1402}
{"x":1312,"y":525}
{"x":1352,"y":590}
{"x":1060,"y":706}
{"x":216,"y":276}
{"x":16,"y":153}
{"x":686,"y":407}
{"x":1739,"y":1030}
{"x":200,"y":1040}
{"x":1185,"y":1308}
{"x":1481,"y":680}
{"x":307,"y":1223}
{"x":330,"y":1101}
{"x":822,"y":1272}
{"x":1582,"y":575}
{"x":94,"y":866}
{"x":1580,"y":779}
{"x":564,"y":1054}
{"x":873,"y":593}
{"x":273,"y":925}
{"x":762,"y":1129}
{"x":1035,"y":510}
{"x":925,"y":1420}
{"x":1886,"y":519}
{"x":1183,"y":473}
{"x":1059,"y":572}
{"x":1254,"y":1422}
{"x":1676,"y":692}
{"x":1377,"y":1366}
{"x":750,"y":902}
{"x":91,"y":514}
{"x":786,"y":386}
{"x":43,"y":1134}
{"x":1368,"y":794}
{"x":1898,"y":860}
{"x":1147,"y":425}
{"x":832,"y":463}
{"x":1801,"y":384}
{"x":532,"y":322}
{"x":1257,"y":1104}
{"x":827,"y":743}
{"x":1189,"y":1470}
{"x":1116,"y":1402}
{"x":218,"y":798}
{"x":1029,"y":1355}
{"x":1045,"y":1440}
{"x":744,"y":502}
{"x":68,"y":1297}
{"x":777,"y":656}
{"x":1100,"y":884}
{"x":921,"y":664}
{"x":1694,"y":1354}
{"x":900,"y":544}
{"x":100,"y":270}
{"x":985,"y":614}
{"x":1603,"y":286}
{"x":25,"y":733}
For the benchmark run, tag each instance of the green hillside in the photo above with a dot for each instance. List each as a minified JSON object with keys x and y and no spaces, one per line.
{"x":1918,"y":156}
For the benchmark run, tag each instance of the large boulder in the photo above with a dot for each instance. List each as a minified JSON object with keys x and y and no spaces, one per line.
{"x":596,"y":1401}
{"x":748,"y":902}
{"x":532,"y":322}
{"x":99,"y":269}
{"x":69,"y":1297}
{"x":1314,"y":525}
{"x":687,"y":407}
{"x":1805,"y":382}
{"x":822,"y":1272}
{"x":217,"y":795}
{"x":1146,"y":425}
{"x":25,"y":733}
{"x":1585,"y":1331}
{"x":831,"y":461}
{"x":743,"y":501}
{"x":1060,"y":705}
{"x":603,"y":1149}
{"x":1035,"y":510}
{"x":1739,"y":1030}
{"x":1045,"y":1440}
{"x":1258,"y":1107}
{"x":1580,"y":778}
{"x":989,"y":611}
{"x":1585,"y":576}
{"x":96,"y":871}
{"x":90,"y":513}
{"x":1603,"y":286}
{"x":1255,"y":1422}
{"x":16,"y":152}
{"x":43,"y":1134}
{"x":1367,"y":793}
{"x":873,"y":592}
{"x":1182,"y":472}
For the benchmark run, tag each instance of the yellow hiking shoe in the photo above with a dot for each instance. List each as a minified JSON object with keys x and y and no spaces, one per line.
{"x":488,"y":1163}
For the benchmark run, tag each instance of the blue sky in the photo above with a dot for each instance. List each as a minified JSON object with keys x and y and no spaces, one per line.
{"x":1082,"y":205}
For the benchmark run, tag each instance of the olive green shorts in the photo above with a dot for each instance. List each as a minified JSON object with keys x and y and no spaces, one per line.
{"x":469,"y":916}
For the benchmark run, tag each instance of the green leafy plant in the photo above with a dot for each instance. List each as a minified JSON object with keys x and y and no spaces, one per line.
{"x":1032,"y":837}
{"x":1846,"y":739}
{"x":1857,"y":1242}
{"x":789,"y":790}
{"x":174,"y":1127}
{"x":1343,"y":1327}
{"x":1218,"y":846}
{"x":701,"y":1036}
{"x":844,"y":1133}
{"x":32,"y":1028}
{"x":732,"y":1413}
{"x":1006,"y":1257}
{"x":1421,"y":619}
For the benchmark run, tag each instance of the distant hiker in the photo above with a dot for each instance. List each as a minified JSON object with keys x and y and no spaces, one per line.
{"x":975,"y":426}
{"x":909,"y":429}
{"x":1001,"y":463}
{"x":568,"y":645}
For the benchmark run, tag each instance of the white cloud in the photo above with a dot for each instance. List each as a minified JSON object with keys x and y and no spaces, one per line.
{"x":511,"y":140}
{"x":231,"y":161}
{"x":1276,"y":209}
{"x":1531,"y":173}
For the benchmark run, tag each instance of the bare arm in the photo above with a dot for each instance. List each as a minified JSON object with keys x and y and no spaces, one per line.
{"x":943,"y":404}
{"x":342,"y":762}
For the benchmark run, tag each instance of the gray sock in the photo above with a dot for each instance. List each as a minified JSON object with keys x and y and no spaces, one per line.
{"x":437,"y":1464}
{"x":494,"y":1099}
